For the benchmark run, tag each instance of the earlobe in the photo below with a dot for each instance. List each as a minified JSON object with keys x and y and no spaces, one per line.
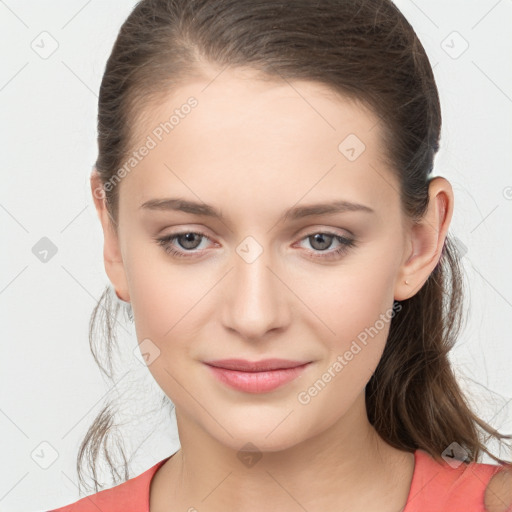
{"x":112,"y":256}
{"x":426,"y":240}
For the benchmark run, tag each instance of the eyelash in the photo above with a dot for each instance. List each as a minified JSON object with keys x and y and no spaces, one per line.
{"x":346,"y":245}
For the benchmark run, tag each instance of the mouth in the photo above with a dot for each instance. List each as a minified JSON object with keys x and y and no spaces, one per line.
{"x":256,"y":376}
{"x":255,"y":366}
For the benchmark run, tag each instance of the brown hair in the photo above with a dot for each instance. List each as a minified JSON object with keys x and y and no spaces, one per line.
{"x":365,"y":50}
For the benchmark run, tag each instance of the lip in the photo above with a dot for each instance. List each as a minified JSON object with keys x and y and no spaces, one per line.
{"x":256,"y":376}
{"x":255,"y":366}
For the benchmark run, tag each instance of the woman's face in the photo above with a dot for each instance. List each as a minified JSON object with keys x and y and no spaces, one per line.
{"x":256,"y":283}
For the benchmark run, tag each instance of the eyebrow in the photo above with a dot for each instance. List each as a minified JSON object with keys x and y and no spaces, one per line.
{"x":294,"y":213}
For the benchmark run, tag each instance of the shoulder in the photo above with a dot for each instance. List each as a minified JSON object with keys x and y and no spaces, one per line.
{"x":455,"y":486}
{"x":498,"y":495}
{"x":130,"y":496}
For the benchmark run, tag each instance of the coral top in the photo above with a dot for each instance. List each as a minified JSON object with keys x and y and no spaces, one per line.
{"x":435,"y":487}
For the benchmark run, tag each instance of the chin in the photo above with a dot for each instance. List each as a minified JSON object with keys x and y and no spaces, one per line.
{"x":269,"y":435}
{"x":258,"y":442}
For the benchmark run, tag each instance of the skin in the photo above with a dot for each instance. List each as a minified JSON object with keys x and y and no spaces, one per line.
{"x":498,"y":494}
{"x":252,"y":149}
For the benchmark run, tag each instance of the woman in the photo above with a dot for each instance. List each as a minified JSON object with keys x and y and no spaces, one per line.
{"x":264,"y":184}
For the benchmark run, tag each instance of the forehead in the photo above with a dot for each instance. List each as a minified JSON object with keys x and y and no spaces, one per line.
{"x":246,"y":137}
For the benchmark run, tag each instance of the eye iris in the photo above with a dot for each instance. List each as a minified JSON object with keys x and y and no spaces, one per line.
{"x":321,"y":237}
{"x":189,"y":238}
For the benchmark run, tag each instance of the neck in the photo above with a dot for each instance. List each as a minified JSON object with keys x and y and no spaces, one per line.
{"x":347,"y":465}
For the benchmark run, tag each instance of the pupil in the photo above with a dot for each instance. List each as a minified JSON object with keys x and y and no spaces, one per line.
{"x":322,"y":240}
{"x":189,"y":239}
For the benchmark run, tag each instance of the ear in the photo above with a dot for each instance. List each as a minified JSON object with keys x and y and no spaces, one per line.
{"x":425,"y":240}
{"x":112,"y":257}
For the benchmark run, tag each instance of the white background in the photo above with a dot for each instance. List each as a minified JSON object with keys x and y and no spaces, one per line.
{"x":51,"y":389}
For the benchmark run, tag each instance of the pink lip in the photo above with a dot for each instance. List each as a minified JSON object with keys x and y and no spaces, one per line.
{"x":256,"y":377}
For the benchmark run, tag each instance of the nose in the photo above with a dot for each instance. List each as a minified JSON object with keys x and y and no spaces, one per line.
{"x":256,"y":298}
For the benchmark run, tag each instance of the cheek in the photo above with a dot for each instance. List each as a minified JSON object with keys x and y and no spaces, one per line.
{"x":163,"y":294}
{"x":165,"y":302}
{"x":358,"y":309}
{"x":361,"y":330}
{"x":350,"y":300}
